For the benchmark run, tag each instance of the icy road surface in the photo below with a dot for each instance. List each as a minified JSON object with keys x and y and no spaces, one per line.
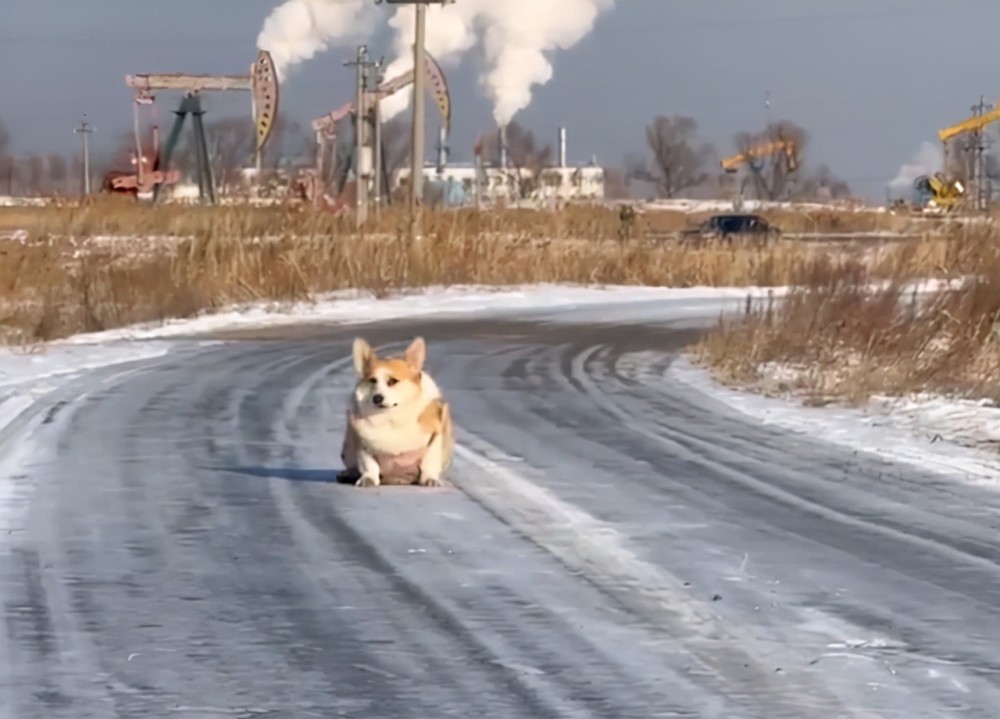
{"x":613,"y":545}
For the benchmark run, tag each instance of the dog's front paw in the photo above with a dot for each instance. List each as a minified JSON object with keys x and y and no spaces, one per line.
{"x":429,"y":481}
{"x":368,"y":480}
{"x":348,"y":476}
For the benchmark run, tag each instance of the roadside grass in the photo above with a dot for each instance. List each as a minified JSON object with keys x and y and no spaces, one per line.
{"x":839,"y":338}
{"x":116,"y":215}
{"x":108,"y":263}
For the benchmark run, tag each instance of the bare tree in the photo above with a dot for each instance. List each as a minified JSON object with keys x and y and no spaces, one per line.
{"x":960,"y":158}
{"x":4,"y":141}
{"x":76,"y":170}
{"x":288,"y":139}
{"x":615,"y":185}
{"x":116,"y":163}
{"x":523,"y":153}
{"x":820,"y":185}
{"x":637,"y":170}
{"x":231,"y":143}
{"x":992,"y":174}
{"x":771,"y":173}
{"x":7,"y":165}
{"x":58,"y":172}
{"x":779,"y":172}
{"x":10,"y":175}
{"x":678,"y":160}
{"x":119,"y":159}
{"x":395,"y":143}
{"x":993,"y":166}
{"x":34,"y":174}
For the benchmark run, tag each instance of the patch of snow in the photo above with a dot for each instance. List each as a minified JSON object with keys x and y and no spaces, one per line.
{"x":692,"y":206}
{"x":858,"y":235}
{"x":19,"y":235}
{"x":357,"y":307}
{"x":353,"y":307}
{"x":969,"y":422}
{"x":26,"y":377}
{"x":13,"y":201}
{"x":939,"y":434}
{"x":21,"y":369}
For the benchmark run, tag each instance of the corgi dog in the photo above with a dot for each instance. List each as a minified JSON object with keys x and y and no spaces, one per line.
{"x":399,"y":428}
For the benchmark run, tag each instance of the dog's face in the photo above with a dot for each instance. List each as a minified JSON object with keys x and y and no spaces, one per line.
{"x":384,"y":384}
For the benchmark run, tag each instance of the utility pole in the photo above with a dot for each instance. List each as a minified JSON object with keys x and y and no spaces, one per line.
{"x":377,"y":79}
{"x":361,"y":187}
{"x":417,"y":131}
{"x":85,"y":129}
{"x":417,"y":125}
{"x":362,"y":65}
{"x":373,"y":135}
{"x":980,"y":157}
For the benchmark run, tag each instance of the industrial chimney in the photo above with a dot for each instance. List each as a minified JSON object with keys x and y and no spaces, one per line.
{"x":562,"y":147}
{"x":502,"y":136}
{"x":442,"y":148}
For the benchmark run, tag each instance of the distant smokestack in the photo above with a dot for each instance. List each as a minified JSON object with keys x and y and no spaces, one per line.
{"x":562,"y":147}
{"x":442,"y":148}
{"x":502,"y":135}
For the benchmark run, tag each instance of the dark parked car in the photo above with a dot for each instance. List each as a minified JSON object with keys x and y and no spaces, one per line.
{"x":733,"y":226}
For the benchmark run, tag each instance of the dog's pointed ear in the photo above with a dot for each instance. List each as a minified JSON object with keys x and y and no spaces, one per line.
{"x":416,"y":353}
{"x":364,"y":355}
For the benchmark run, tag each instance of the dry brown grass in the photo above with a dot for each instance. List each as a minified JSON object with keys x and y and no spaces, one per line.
{"x":837,"y":338}
{"x":105,"y":215}
{"x":66,"y":278}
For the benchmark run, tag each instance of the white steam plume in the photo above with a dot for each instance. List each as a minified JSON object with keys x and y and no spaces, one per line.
{"x":517,"y":38}
{"x":298,"y":29}
{"x":927,"y":160}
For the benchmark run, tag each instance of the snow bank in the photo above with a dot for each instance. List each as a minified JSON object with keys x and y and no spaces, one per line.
{"x":12,"y":201}
{"x":693,"y":206}
{"x":357,"y":307}
{"x":957,"y":437}
{"x":27,"y":375}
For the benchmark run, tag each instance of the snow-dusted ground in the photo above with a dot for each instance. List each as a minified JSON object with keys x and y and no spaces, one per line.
{"x":694,"y":206}
{"x":948,"y":434}
{"x":27,"y":375}
{"x":353,"y":307}
{"x":12,"y":201}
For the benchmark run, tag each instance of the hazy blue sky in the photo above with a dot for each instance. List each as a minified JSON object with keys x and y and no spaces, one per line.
{"x":869,"y":79}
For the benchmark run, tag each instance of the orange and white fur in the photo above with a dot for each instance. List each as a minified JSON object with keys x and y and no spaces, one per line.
{"x":399,"y":428}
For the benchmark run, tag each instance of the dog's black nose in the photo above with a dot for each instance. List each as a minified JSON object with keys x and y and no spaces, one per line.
{"x":378,"y":399}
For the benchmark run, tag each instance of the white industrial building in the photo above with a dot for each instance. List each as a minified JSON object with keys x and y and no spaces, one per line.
{"x":472,"y":183}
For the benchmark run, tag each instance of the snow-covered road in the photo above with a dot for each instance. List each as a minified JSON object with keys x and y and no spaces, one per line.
{"x":615,"y":544}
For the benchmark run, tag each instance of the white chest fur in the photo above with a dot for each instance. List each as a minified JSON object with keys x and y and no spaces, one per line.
{"x":392,"y":433}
